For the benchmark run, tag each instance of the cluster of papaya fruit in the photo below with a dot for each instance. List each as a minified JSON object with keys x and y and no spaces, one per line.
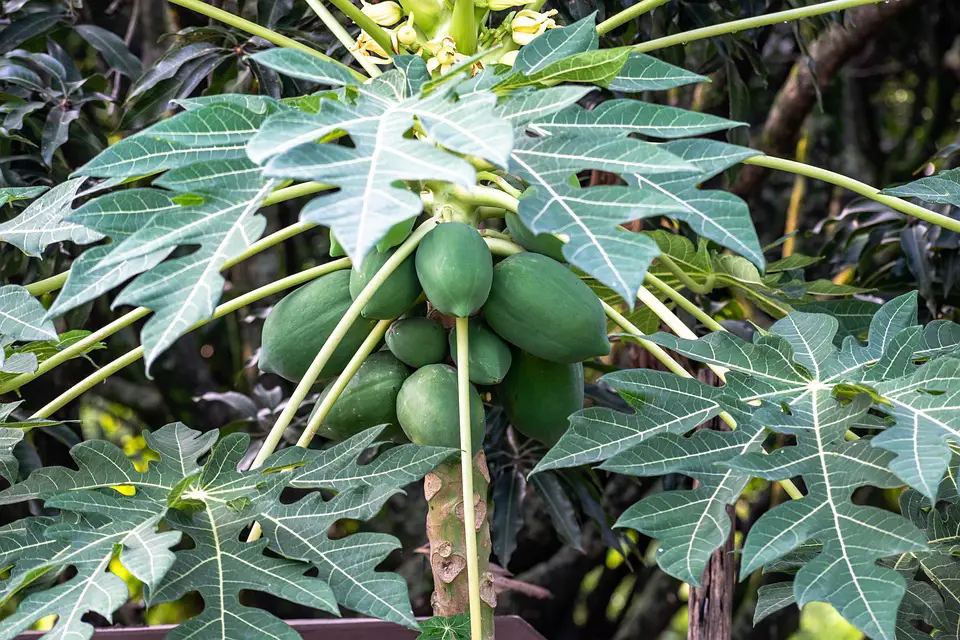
{"x":531,"y":324}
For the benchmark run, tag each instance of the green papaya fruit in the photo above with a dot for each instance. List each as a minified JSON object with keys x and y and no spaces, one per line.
{"x":428,"y":411}
{"x":417,"y":342}
{"x":455,"y":268}
{"x":395,"y":296}
{"x":490,"y":356}
{"x":539,"y":396}
{"x":544,"y":243}
{"x":397,"y":234}
{"x":368,"y":400}
{"x":542,"y":307}
{"x":297,"y":327}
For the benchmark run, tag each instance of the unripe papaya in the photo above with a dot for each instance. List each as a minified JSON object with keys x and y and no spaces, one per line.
{"x":395,"y":296}
{"x":296,"y":329}
{"x":490,"y":356}
{"x":368,"y":400}
{"x":539,"y":396}
{"x":455,"y":268}
{"x":542,"y":307}
{"x":417,"y":342}
{"x":544,"y":243}
{"x":428,"y":411}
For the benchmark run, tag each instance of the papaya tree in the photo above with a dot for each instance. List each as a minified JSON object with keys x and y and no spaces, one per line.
{"x":476,"y":265}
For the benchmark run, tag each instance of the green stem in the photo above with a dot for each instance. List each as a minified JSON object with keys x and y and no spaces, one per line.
{"x":463,"y":28}
{"x":500,"y":181}
{"x":681,"y":275}
{"x":628,"y":14}
{"x":47,"y":285}
{"x":255,"y":29}
{"x":856,"y":186}
{"x":79,"y":348}
{"x":228,"y":307}
{"x":683,"y":303}
{"x":501,"y":247}
{"x":366,"y":23}
{"x":336,"y":389}
{"x":751,"y":23}
{"x":466,"y":474}
{"x":331,"y":23}
{"x":488,"y":197}
{"x":353,"y":312}
{"x":295,"y":191}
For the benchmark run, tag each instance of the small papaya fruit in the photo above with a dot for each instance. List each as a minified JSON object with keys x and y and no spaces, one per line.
{"x":395,"y":296}
{"x":544,"y":243}
{"x":417,"y":342}
{"x":539,"y":396}
{"x":297,"y":327}
{"x":368,"y":400}
{"x":455,"y":268}
{"x":428,"y":411}
{"x":490,"y":356}
{"x":542,"y":307}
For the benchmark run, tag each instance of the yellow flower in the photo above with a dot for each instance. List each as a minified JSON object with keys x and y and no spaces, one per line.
{"x":529,"y":24}
{"x":368,"y":47}
{"x":385,"y":14}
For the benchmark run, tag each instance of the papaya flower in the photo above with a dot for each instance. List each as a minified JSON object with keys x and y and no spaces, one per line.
{"x":368,"y":47}
{"x":385,"y":14}
{"x":529,"y":24}
{"x":444,"y":55}
{"x":407,"y":34}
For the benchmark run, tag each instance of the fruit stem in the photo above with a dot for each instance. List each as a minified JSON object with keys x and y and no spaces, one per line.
{"x":366,"y":348}
{"x":500,"y":181}
{"x":331,"y":23}
{"x":339,"y":332}
{"x":466,"y":465}
{"x":725,"y":28}
{"x":857,"y":187}
{"x":228,"y":307}
{"x":47,"y":285}
{"x":255,"y":29}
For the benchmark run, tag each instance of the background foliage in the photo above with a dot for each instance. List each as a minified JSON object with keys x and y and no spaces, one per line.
{"x":878,"y":101}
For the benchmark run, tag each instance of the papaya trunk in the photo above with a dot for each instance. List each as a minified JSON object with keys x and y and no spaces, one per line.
{"x":444,"y":492}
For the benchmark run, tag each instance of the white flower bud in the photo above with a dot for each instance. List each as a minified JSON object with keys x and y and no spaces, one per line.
{"x":385,"y":14}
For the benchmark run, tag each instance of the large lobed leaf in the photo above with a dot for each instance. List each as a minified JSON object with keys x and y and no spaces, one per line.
{"x":796,"y":380}
{"x":213,"y":504}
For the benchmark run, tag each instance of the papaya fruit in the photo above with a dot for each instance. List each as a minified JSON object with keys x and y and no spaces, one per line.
{"x":397,"y":234}
{"x":542,"y":307}
{"x":490,"y":356}
{"x":395,"y":296}
{"x":297,"y":327}
{"x":428,"y":411}
{"x":539,"y":396}
{"x":417,"y":342}
{"x":455,"y":269}
{"x":544,"y":243}
{"x":368,"y":400}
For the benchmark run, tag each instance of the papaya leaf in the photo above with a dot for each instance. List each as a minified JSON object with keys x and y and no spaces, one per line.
{"x":772,"y":598}
{"x":942,"y":188}
{"x":371,"y":196}
{"x":22,"y":316}
{"x":12,"y":194}
{"x":213,"y":504}
{"x":646,"y":73}
{"x":556,"y":44}
{"x":623,"y":117}
{"x":43,"y":222}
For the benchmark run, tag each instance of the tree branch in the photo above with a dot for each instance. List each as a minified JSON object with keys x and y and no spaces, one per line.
{"x":797,"y":97}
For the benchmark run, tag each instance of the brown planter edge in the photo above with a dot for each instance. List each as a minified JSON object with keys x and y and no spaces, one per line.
{"x":507,"y":628}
